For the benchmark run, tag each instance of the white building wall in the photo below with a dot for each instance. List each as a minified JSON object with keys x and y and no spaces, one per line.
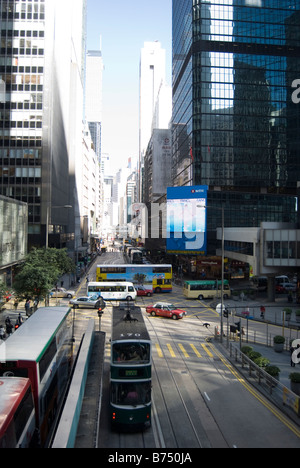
{"x":94,"y":88}
{"x":152,"y":75}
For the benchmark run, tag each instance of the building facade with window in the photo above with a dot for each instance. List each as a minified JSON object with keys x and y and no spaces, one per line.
{"x":41,"y":66}
{"x":13,"y":237}
{"x":235,"y":125}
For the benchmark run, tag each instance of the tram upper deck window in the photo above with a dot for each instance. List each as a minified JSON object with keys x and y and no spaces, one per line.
{"x":139,"y":353}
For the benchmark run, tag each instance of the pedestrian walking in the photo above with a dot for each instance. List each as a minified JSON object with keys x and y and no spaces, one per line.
{"x":35,"y":304}
{"x":262,"y":312}
{"x":8,"y":326}
{"x":27,"y":307}
{"x":2,"y":332}
{"x":292,"y":349}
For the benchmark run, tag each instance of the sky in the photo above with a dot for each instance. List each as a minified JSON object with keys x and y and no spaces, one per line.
{"x":123,"y":27}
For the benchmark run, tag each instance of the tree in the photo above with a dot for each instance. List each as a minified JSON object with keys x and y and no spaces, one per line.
{"x":41,"y":271}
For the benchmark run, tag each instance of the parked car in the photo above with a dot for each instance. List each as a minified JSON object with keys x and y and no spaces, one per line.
{"x":164,"y":309}
{"x":290,"y":287}
{"x":88,"y":302}
{"x":62,"y":292}
{"x":143,"y":291}
{"x":286,"y":287}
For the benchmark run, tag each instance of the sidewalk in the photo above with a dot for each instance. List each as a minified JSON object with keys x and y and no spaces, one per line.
{"x":274,"y":316}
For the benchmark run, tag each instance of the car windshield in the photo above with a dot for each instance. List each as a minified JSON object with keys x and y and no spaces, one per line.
{"x":125,"y":352}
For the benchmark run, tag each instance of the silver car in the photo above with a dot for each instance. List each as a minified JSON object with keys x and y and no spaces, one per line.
{"x":62,"y":292}
{"x":87,"y":302}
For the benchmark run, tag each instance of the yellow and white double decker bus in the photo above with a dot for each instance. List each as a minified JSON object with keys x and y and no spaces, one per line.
{"x":157,"y":277}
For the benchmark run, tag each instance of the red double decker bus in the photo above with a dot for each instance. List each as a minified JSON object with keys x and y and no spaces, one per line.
{"x":17,"y":413}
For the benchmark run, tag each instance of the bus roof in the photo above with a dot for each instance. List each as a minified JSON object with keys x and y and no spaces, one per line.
{"x":30,"y":340}
{"x":129,"y":330}
{"x":109,"y":283}
{"x":147,"y":265}
{"x":11,"y":388}
{"x":205,"y":281}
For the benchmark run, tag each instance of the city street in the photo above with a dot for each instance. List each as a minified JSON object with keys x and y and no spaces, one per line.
{"x":198,"y":399}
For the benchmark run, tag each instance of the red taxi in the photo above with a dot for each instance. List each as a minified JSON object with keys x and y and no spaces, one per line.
{"x":164,"y":309}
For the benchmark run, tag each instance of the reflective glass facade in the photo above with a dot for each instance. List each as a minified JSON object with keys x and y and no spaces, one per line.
{"x":22,"y":30}
{"x":41,"y":104}
{"x":235,"y":125}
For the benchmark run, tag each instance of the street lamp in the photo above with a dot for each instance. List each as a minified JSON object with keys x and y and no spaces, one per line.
{"x":223,"y":261}
{"x":47,"y":220}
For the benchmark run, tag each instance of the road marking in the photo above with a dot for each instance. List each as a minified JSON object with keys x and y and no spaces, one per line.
{"x":159,"y":351}
{"x":195,"y":350}
{"x":183,"y":350}
{"x":257,"y":395}
{"x":171,"y":350}
{"x":207,"y":350}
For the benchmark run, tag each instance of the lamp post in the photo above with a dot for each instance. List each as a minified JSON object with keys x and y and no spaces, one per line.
{"x":47,"y":220}
{"x":222,"y":274}
{"x":223,"y":261}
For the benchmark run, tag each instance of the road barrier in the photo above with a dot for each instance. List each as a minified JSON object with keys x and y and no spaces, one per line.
{"x":67,"y":429}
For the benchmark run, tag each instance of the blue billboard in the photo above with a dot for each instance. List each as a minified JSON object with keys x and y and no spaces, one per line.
{"x":186,"y":220}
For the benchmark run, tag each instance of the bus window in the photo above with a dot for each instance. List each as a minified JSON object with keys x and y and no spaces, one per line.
{"x":123,"y":353}
{"x":135,"y":393}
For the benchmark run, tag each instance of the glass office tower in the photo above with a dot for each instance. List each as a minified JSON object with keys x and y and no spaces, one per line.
{"x":22,"y":61}
{"x":235,"y":123}
{"x":41,"y":106}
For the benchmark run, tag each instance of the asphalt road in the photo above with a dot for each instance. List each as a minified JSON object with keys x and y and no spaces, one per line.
{"x":199,"y":399}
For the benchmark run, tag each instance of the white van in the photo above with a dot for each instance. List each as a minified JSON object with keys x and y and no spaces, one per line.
{"x":113,"y":291}
{"x":281,"y":280}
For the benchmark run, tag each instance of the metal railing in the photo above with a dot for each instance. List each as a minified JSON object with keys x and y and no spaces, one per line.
{"x":280,"y":395}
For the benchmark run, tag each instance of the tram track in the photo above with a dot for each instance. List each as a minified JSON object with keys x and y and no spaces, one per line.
{"x":106,"y":436}
{"x":171,"y":400}
{"x":180,"y":376}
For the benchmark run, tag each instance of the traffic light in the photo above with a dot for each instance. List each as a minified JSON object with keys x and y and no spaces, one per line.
{"x":100,"y":304}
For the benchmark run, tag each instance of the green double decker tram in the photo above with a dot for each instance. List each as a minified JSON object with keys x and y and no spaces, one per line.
{"x":130,"y":371}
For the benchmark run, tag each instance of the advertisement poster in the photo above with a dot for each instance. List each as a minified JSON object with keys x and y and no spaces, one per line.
{"x":186,"y":220}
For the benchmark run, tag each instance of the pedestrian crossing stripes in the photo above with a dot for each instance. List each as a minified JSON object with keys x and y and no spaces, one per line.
{"x":187,"y":350}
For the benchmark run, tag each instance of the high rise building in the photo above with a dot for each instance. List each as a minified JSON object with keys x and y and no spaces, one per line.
{"x":235,"y":124}
{"x":152,"y":76}
{"x":42,"y":68}
{"x":93,"y":97}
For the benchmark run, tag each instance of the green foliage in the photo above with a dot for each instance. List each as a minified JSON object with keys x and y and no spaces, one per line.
{"x":295,"y":377}
{"x":254,"y":355}
{"x":246,"y":350}
{"x":279,"y":339}
{"x":262,"y":362}
{"x":273,"y":371}
{"x":40,"y":272}
{"x":3,"y":289}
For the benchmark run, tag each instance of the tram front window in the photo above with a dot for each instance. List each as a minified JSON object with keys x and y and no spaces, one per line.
{"x":131,"y":394}
{"x":127,"y":352}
